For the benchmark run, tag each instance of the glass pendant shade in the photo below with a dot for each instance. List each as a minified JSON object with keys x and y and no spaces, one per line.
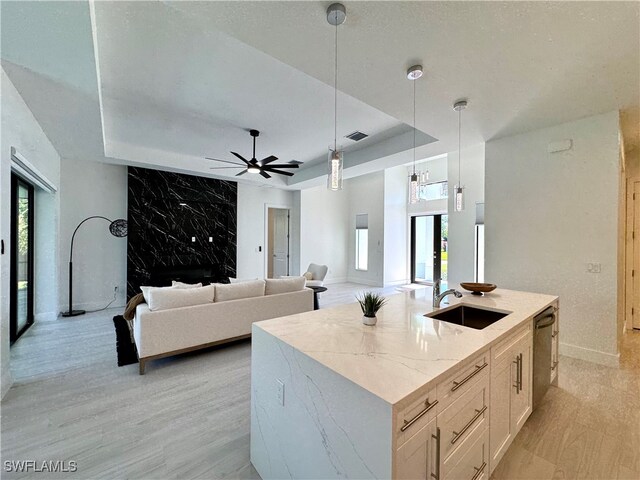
{"x":459,"y":198}
{"x":334,"y":179}
{"x":413,"y":189}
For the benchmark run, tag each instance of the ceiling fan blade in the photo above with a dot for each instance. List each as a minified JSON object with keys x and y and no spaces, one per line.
{"x":223,"y":168}
{"x":269,"y":159}
{"x":265,"y":174}
{"x":224,"y":161}
{"x":281,"y":172}
{"x":281,"y":165}
{"x":241,"y":173}
{"x":241,"y":157}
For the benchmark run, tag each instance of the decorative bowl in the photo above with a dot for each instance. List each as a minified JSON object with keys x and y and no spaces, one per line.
{"x":478,"y":288}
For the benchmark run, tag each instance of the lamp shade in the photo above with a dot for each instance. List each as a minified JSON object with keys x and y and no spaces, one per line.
{"x":118,"y":228}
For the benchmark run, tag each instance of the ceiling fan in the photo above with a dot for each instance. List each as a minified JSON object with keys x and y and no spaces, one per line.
{"x":264,"y":167}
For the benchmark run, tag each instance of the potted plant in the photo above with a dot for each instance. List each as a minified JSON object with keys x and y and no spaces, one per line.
{"x":370,"y":303}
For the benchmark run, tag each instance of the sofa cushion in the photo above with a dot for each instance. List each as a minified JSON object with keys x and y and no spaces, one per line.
{"x":284,"y":285}
{"x":176,"y":284}
{"x":236,"y":291}
{"x":167,"y":298}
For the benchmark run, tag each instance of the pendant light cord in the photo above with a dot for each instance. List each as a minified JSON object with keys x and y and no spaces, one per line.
{"x":335,"y":91}
{"x":459,"y":151}
{"x":414,"y":127}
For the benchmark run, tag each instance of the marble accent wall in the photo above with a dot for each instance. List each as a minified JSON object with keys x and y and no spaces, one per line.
{"x":181,"y":227}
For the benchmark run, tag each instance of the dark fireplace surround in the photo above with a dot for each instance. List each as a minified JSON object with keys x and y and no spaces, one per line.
{"x":181,"y":227}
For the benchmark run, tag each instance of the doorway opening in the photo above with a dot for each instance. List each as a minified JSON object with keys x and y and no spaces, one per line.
{"x":277,"y":242}
{"x":22,"y":229}
{"x":429,"y":249}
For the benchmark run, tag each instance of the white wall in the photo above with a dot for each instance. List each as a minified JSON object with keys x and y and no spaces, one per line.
{"x":252,"y":225}
{"x":366,"y":196}
{"x":396,"y":227}
{"x":461,"y":241}
{"x":548,"y":215}
{"x":324,"y":231}
{"x":20,"y":129}
{"x":99,"y":259}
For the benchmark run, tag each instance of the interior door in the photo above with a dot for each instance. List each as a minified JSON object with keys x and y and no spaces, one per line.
{"x":636,"y":256}
{"x":429,"y":252}
{"x":21,"y":304}
{"x":279,"y":242}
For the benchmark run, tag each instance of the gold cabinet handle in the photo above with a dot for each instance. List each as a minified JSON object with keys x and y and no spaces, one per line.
{"x":457,"y":385}
{"x":479,"y":471}
{"x":408,"y":423}
{"x":457,"y":436}
{"x":517,"y":385}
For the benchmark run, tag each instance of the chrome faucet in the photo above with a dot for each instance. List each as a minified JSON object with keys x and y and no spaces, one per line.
{"x":438,"y":297}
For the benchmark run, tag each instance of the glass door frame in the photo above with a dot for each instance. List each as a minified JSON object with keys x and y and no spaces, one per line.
{"x":437,"y":243}
{"x":14,"y":333}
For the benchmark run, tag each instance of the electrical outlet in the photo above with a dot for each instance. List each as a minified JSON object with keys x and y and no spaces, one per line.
{"x":116,"y":288}
{"x":280,"y":385}
{"x":594,"y":267}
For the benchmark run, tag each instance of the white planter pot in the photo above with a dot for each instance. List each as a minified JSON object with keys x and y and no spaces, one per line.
{"x":371,"y":321}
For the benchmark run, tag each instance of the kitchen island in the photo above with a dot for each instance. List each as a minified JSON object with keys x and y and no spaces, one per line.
{"x":412,"y":397}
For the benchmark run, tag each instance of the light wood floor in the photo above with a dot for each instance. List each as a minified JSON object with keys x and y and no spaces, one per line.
{"x":188,"y":417}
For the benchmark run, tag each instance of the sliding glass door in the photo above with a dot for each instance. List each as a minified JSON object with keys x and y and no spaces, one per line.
{"x":21,"y":304}
{"x":429,"y":253}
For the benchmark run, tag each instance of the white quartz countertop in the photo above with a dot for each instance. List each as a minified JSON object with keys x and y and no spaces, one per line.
{"x":405,"y":350}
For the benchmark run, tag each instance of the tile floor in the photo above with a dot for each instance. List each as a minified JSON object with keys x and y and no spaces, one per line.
{"x":188,"y":417}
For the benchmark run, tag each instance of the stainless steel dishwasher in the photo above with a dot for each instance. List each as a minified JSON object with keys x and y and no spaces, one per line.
{"x":542,"y":324}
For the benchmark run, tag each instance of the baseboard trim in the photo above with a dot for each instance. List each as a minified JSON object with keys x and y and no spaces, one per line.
{"x":45,"y":317}
{"x":5,"y":382}
{"x":363,"y":281}
{"x":88,"y":306}
{"x":595,"y":356}
{"x":397,"y":283}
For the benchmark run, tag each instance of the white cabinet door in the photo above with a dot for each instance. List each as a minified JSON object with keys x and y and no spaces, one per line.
{"x":502,"y":381}
{"x":415,"y":459}
{"x":521,"y":398}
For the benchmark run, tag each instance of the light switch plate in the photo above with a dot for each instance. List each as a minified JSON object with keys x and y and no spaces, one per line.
{"x":280,"y":392}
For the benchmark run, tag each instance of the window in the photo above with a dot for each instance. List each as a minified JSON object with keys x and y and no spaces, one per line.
{"x":433,"y":191}
{"x":362,"y":242}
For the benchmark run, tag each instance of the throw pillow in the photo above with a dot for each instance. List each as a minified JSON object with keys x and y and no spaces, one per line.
{"x":168,"y":298}
{"x":241,"y":280}
{"x":236,"y":291}
{"x":284,"y":285}
{"x":308,"y":275}
{"x":145,"y":292}
{"x":176,"y":284}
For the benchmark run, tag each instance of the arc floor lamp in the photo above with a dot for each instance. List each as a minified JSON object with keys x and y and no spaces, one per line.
{"x":117,"y":228}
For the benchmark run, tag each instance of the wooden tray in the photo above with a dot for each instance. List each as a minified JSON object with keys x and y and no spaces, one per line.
{"x":478,"y":288}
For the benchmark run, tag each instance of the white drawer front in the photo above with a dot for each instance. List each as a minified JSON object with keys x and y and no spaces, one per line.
{"x":415,"y":416}
{"x":467,"y":414}
{"x":463,"y":380}
{"x":473,"y":464}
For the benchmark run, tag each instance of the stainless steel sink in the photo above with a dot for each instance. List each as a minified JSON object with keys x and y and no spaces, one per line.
{"x":467,"y":316}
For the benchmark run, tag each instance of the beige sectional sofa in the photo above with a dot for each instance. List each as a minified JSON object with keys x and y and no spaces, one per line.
{"x":228,"y":316}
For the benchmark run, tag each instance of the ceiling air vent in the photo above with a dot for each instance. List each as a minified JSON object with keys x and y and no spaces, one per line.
{"x":357,"y":136}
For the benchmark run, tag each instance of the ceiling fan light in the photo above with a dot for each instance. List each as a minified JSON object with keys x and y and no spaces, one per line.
{"x":253,"y":169}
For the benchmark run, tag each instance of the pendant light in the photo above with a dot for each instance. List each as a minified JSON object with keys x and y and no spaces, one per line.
{"x":413,"y":74}
{"x":458,"y":189}
{"x":336,"y":15}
